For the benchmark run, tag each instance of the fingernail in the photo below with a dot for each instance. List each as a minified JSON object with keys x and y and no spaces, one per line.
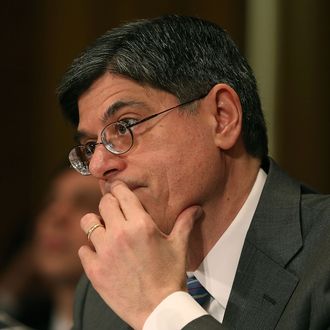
{"x":114,"y":184}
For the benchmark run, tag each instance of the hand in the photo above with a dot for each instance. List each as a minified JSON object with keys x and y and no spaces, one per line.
{"x":134,"y":265}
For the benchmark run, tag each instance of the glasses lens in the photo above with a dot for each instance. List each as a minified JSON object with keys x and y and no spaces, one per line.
{"x":79,"y":159}
{"x":117,"y":138}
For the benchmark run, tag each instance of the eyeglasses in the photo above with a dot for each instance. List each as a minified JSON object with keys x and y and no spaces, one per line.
{"x":116,"y":137}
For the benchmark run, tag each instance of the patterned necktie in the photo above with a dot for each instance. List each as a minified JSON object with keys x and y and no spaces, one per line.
{"x":197,"y":291}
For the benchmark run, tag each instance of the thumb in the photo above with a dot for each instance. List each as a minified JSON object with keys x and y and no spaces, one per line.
{"x":185,"y":223}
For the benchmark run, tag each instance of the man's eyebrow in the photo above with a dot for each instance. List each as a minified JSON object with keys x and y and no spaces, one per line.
{"x":110,"y":112}
{"x":78,"y":136}
{"x":115,"y":107}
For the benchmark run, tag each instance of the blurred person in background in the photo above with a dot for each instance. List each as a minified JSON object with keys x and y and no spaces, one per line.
{"x":51,"y":255}
{"x":15,"y":278}
{"x":58,"y":237}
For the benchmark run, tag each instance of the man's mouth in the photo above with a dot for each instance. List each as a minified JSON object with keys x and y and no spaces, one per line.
{"x":133,"y":186}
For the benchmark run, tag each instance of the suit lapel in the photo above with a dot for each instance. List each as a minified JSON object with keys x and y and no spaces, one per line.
{"x":262,"y":285}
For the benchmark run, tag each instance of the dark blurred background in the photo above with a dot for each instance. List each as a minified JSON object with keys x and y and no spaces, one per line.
{"x":287,"y":43}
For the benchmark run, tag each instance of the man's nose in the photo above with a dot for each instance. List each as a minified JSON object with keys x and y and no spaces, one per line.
{"x":104,"y":162}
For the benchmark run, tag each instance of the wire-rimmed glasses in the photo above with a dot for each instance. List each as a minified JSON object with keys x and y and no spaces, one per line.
{"x":117,"y":138}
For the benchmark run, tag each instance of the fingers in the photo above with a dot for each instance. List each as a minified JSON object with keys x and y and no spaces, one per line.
{"x":92,"y":225}
{"x":124,"y":205}
{"x":121,"y":206}
{"x":91,"y":229}
{"x":87,"y":257}
{"x":129,"y":204}
{"x":115,"y":209}
{"x":111,"y":211}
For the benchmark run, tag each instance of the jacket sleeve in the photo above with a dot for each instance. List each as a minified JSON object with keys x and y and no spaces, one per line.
{"x":79,"y":302}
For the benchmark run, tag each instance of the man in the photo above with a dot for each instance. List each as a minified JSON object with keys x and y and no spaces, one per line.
{"x":169,"y":120}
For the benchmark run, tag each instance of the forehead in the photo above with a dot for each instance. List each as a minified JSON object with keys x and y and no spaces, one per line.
{"x":105,"y":91}
{"x":107,"y":86}
{"x":110,"y":90}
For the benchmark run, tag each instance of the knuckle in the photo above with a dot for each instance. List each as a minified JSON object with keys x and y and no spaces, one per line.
{"x":108,"y":200}
{"x":94,"y":271}
{"x":121,"y":238}
{"x":81,"y":252}
{"x":107,"y":254}
{"x":87,"y":219}
{"x":145,"y":227}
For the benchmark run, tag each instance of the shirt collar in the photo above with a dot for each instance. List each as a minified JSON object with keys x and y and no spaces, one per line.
{"x":217,"y":271}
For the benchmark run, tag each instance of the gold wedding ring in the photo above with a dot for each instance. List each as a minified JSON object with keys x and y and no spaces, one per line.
{"x":92,"y":228}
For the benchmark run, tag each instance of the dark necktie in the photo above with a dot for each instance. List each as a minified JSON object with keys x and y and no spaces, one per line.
{"x":197,"y":291}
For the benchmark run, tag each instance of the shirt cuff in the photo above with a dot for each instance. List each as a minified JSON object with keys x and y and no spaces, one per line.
{"x":174,"y":312}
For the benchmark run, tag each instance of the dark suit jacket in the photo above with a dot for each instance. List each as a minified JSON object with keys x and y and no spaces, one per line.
{"x":283,"y":276}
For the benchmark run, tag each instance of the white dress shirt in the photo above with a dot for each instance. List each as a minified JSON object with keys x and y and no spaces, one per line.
{"x":216,"y":273}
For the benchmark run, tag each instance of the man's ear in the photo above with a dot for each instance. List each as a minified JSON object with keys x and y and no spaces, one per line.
{"x":228,"y":115}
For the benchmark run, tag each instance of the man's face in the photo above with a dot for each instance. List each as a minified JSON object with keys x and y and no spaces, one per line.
{"x":174,"y":162}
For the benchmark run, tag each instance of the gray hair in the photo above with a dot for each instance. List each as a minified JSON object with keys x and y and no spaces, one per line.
{"x":185,"y":56}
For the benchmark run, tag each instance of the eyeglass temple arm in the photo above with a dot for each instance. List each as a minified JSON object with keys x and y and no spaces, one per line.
{"x":159,"y":113}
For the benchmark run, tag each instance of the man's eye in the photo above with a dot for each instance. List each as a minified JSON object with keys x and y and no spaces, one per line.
{"x":128,"y":121}
{"x":89,"y":149}
{"x":122,"y":126}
